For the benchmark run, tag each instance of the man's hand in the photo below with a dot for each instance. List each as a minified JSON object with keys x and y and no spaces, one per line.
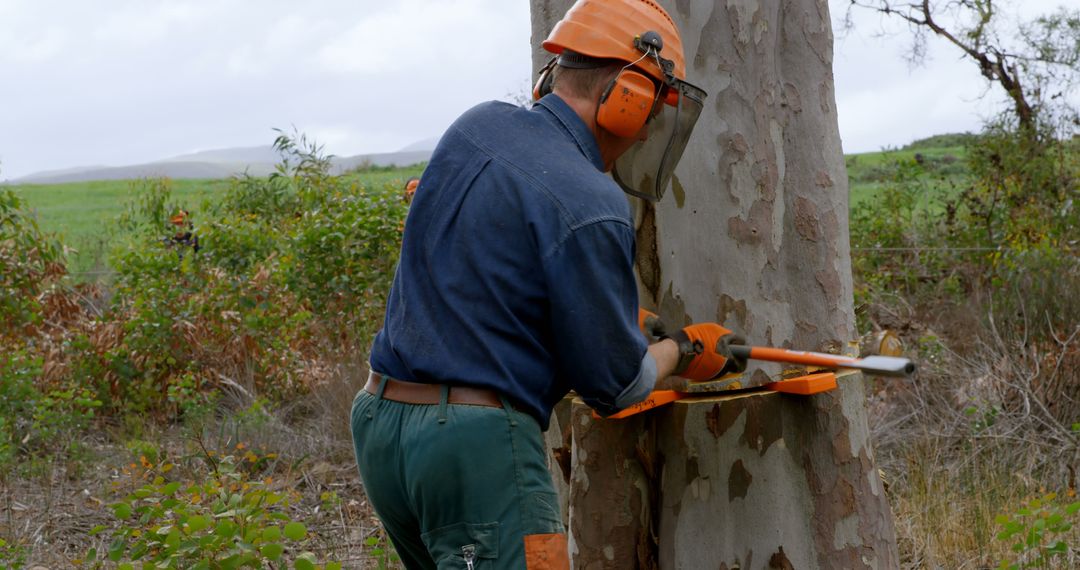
{"x":704,"y":352}
{"x":650,"y":324}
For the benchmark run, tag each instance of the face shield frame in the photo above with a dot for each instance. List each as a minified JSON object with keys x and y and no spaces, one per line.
{"x":645,"y":170}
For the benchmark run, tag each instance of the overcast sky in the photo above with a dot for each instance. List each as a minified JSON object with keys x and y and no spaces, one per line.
{"x":117,"y":82}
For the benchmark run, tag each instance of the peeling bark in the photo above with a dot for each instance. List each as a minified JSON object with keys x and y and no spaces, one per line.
{"x":755,"y":235}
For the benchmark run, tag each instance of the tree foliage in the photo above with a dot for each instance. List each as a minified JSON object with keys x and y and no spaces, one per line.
{"x":1034,"y":63}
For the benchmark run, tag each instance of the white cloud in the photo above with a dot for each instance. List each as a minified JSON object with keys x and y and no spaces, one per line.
{"x":126,"y":81}
{"x":420,"y":34}
{"x":36,"y":49}
{"x":142,"y":23}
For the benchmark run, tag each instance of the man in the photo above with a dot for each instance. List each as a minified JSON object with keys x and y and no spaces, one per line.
{"x":410,"y":189}
{"x":516,"y":285}
{"x":185,"y":233}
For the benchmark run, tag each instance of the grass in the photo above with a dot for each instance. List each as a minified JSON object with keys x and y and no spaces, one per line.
{"x":870,"y":172}
{"x":81,"y":213}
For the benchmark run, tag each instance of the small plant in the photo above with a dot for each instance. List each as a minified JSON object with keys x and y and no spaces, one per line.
{"x":12,"y":556}
{"x":382,"y":550}
{"x":228,"y":521}
{"x":1037,"y":531}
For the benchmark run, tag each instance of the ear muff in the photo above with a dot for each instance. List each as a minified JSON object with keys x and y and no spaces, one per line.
{"x":544,"y":81}
{"x":626,"y":103}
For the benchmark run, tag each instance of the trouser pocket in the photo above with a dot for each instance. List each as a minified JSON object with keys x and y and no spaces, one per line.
{"x":468,"y":546}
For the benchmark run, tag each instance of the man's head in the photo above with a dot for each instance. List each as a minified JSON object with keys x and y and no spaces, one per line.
{"x":179,"y":218}
{"x":584,"y":90}
{"x":617,"y":63}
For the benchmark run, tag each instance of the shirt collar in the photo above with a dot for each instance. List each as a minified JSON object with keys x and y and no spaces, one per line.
{"x":574,"y":126}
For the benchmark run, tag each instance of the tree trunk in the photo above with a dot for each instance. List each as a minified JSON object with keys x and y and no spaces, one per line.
{"x":754,"y":234}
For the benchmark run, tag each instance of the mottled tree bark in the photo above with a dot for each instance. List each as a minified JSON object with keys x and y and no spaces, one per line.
{"x":754,"y":234}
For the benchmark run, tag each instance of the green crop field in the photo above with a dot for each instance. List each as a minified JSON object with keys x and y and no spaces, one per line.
{"x":944,"y":170}
{"x":81,"y":213}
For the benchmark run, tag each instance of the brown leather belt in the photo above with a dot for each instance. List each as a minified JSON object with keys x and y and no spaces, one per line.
{"x":415,"y":393}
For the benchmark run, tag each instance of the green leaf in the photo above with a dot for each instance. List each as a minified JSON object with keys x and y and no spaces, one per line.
{"x":271,"y":534}
{"x":1072,"y":508}
{"x":173,"y":540}
{"x":126,"y":566}
{"x":1001,"y":519}
{"x":116,"y":550}
{"x":122,"y":510}
{"x":295,"y":531}
{"x":272,"y":551}
{"x":306,"y":561}
{"x":197,"y":523}
{"x":332,"y":566}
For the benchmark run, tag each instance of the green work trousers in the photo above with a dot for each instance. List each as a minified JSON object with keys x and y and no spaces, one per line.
{"x":459,"y":486}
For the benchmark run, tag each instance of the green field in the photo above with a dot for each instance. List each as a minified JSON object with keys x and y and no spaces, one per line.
{"x":81,"y":213}
{"x":944,"y":168}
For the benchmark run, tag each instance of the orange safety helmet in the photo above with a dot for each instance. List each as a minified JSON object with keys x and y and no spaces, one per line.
{"x":179,"y":218}
{"x":641,"y":35}
{"x":613,"y":29}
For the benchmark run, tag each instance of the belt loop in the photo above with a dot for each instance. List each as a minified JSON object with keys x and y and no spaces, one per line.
{"x":509,"y":410}
{"x":444,"y":397}
{"x":383,"y":381}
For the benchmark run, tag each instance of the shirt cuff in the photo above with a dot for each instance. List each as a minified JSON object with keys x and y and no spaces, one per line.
{"x":642,"y":385}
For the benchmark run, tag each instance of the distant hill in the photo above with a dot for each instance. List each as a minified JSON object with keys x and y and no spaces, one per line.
{"x":221,"y":163}
{"x":426,"y":144}
{"x":246,"y":154}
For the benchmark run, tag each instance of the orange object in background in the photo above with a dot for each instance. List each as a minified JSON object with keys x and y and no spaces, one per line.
{"x":410,"y":189}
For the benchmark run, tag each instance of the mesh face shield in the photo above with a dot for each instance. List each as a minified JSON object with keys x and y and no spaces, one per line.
{"x":645,"y":170}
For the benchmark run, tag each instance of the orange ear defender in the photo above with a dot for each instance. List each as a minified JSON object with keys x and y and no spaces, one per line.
{"x":543,"y":82}
{"x":626,"y":103}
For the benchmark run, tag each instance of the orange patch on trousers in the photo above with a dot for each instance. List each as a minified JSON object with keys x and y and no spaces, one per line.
{"x":546,"y":552}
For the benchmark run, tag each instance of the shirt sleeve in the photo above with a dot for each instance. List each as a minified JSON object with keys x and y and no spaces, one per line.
{"x":593,"y":296}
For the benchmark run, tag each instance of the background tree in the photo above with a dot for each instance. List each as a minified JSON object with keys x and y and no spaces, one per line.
{"x":1034,"y":63}
{"x":1023,"y":167}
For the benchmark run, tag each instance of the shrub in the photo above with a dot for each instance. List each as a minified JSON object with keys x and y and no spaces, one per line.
{"x":230,"y":520}
{"x":38,"y":421}
{"x":29,"y":260}
{"x":1036,"y":532}
{"x":239,"y":313}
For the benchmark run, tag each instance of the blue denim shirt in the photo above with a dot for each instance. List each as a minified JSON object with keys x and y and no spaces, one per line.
{"x":516,"y":269}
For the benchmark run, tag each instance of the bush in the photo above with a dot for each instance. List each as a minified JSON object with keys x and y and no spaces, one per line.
{"x":1036,"y":532}
{"x":37,"y":421}
{"x":238,"y":314}
{"x":229,"y":520}
{"x":29,"y":261}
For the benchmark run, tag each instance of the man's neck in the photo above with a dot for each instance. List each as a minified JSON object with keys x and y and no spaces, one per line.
{"x":585,"y":108}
